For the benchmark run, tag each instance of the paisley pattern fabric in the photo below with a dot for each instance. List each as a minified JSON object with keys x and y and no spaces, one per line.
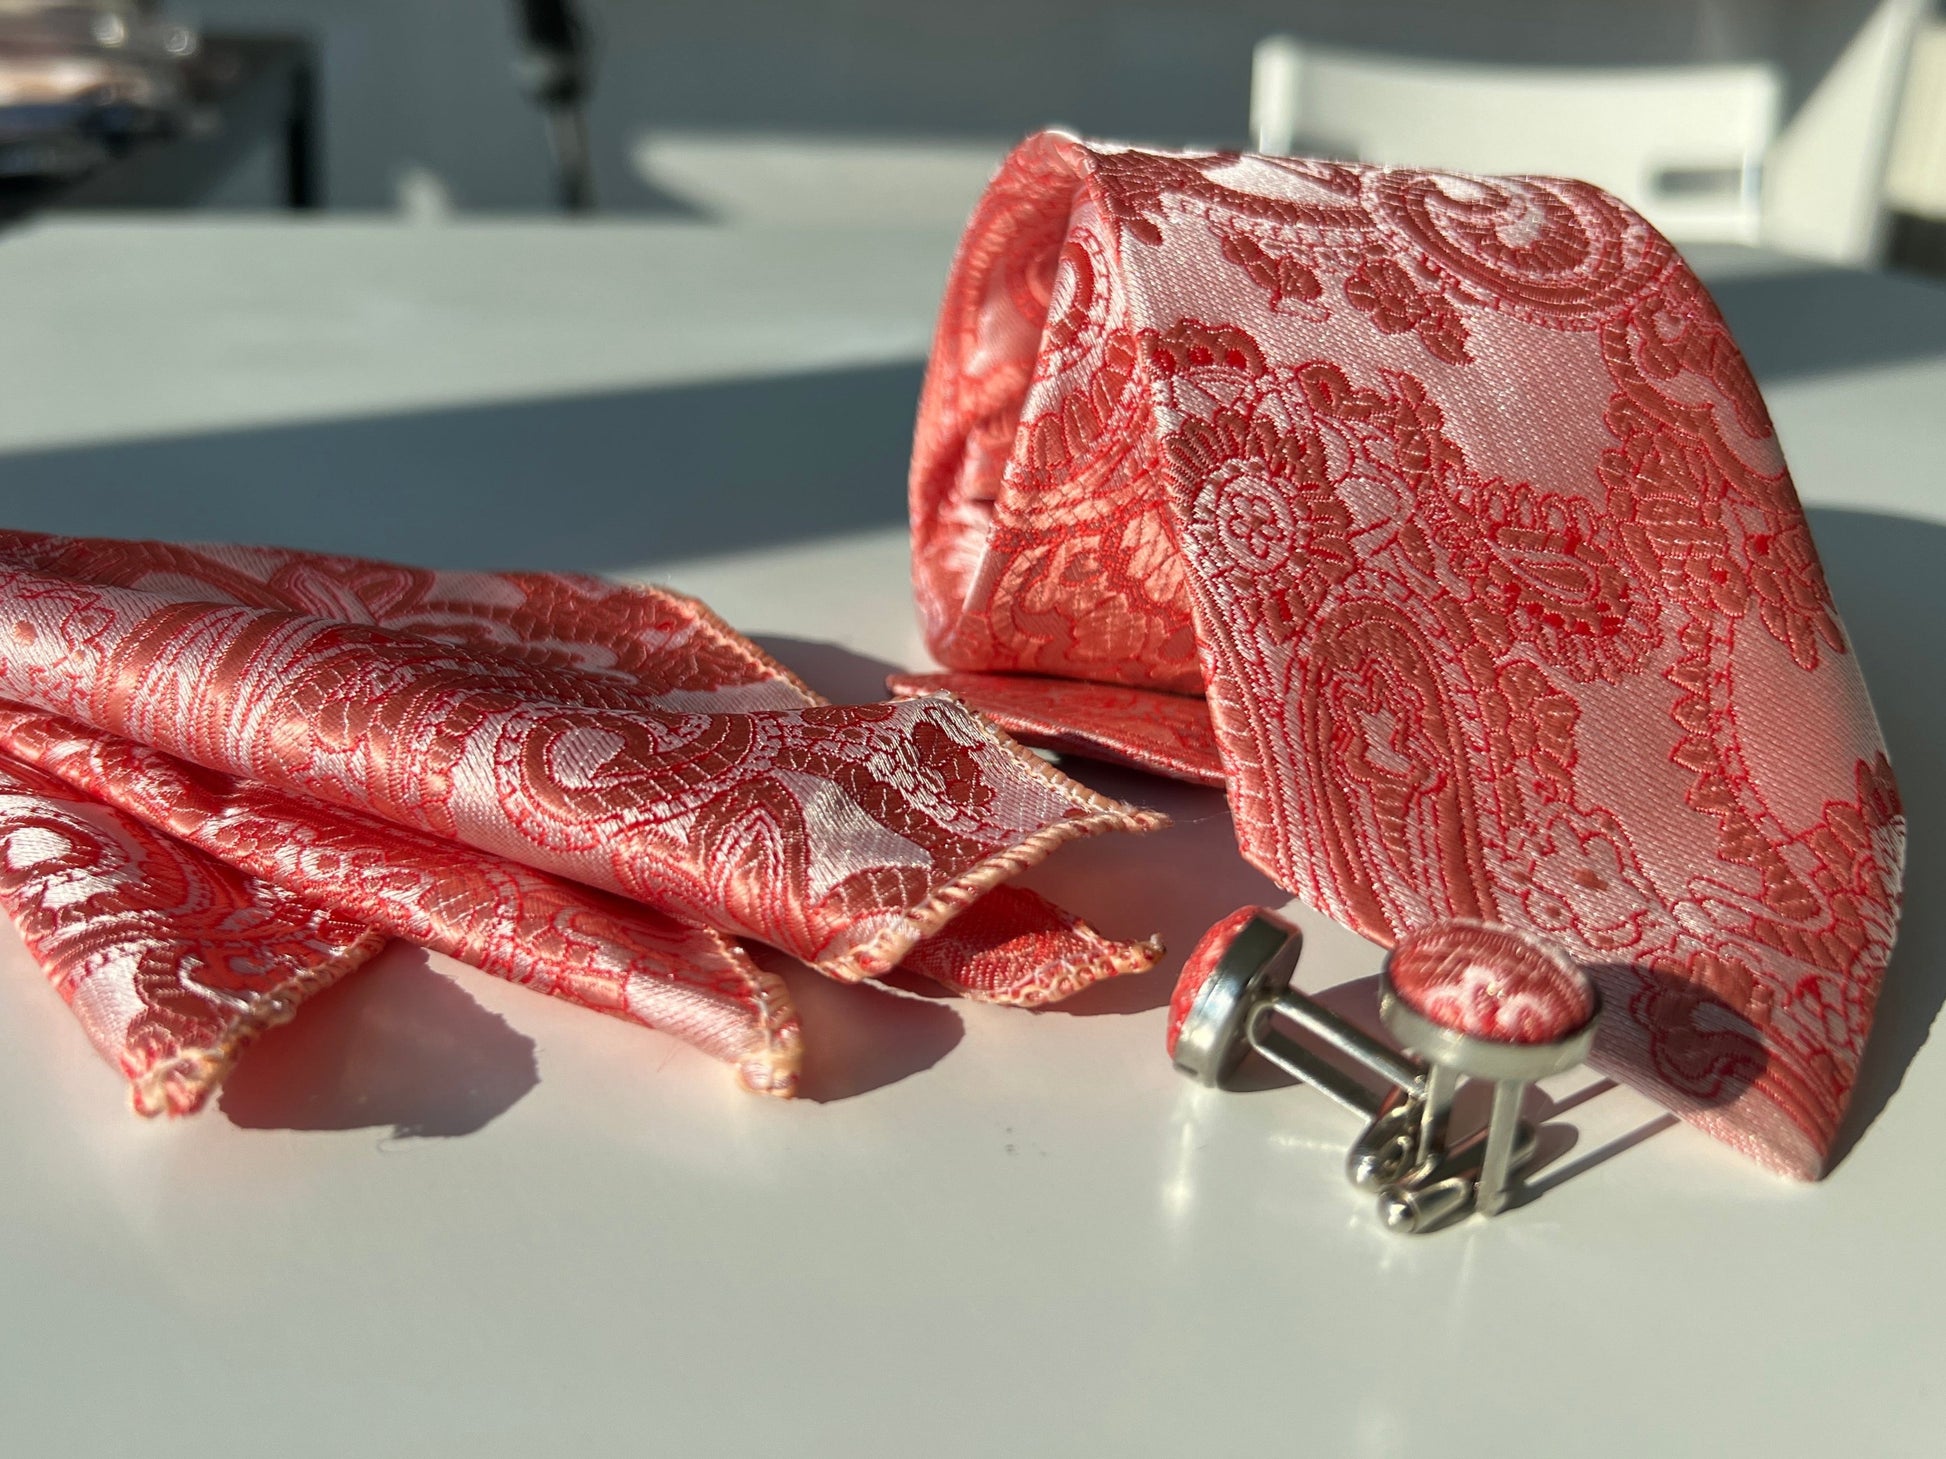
{"x":228,"y":775}
{"x":1440,"y":519}
{"x":1199,"y":967}
{"x":1491,"y":983}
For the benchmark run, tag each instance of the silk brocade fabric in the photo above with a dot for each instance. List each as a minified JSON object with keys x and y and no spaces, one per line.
{"x":228,"y":775}
{"x":1439,"y":519}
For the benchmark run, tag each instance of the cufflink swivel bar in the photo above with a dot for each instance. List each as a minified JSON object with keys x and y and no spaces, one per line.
{"x":1467,"y":999}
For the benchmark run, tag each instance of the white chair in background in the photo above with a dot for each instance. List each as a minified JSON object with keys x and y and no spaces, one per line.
{"x":1915,"y":178}
{"x":1684,"y":145}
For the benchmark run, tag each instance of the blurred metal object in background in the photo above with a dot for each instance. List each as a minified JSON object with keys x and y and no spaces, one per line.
{"x":78,"y":79}
{"x":554,"y":69}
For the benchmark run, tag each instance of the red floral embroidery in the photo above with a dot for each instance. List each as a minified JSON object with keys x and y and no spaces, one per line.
{"x":1550,"y":573}
{"x":1479,"y":641}
{"x":228,"y":774}
{"x":1384,"y":290}
{"x":1490,"y":983}
{"x":1198,"y":967}
{"x":1170,"y":733}
{"x":1284,"y":280}
{"x":1557,"y":251}
{"x":1276,"y":531}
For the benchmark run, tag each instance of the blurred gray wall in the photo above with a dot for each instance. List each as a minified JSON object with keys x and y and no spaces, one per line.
{"x":426,"y":85}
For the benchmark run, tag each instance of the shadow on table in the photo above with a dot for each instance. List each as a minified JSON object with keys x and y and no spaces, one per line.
{"x":863,"y":1037}
{"x":839,"y":674}
{"x":1564,"y":1148}
{"x":396,"y":1044}
{"x":1559,"y":1138}
{"x":1824,"y":321}
{"x":582,"y":483}
{"x":1172,"y":884}
{"x":620,"y":479}
{"x":1886,"y":574}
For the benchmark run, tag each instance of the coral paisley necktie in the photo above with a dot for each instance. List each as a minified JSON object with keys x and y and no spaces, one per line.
{"x":1440,"y":520}
{"x":228,"y":775}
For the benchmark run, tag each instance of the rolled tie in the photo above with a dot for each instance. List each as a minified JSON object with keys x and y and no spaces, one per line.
{"x":1439,"y":519}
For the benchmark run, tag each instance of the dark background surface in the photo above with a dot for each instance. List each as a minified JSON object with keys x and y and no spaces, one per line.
{"x":427,"y":84}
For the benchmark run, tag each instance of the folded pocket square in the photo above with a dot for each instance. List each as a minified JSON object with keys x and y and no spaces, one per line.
{"x":228,"y":774}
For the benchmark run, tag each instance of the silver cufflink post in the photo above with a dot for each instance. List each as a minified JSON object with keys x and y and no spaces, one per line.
{"x":1468,"y":1000}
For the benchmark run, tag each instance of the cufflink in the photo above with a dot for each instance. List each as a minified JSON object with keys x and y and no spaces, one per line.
{"x":1468,"y":1000}
{"x":1477,"y":1001}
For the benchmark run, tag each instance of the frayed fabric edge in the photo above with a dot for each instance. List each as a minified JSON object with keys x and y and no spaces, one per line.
{"x":182,"y":1083}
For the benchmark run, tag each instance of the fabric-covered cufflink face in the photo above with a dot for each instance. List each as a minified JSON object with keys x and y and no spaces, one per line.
{"x":1490,"y":983}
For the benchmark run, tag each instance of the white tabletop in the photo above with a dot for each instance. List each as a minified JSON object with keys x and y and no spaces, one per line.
{"x":441,"y":1215}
